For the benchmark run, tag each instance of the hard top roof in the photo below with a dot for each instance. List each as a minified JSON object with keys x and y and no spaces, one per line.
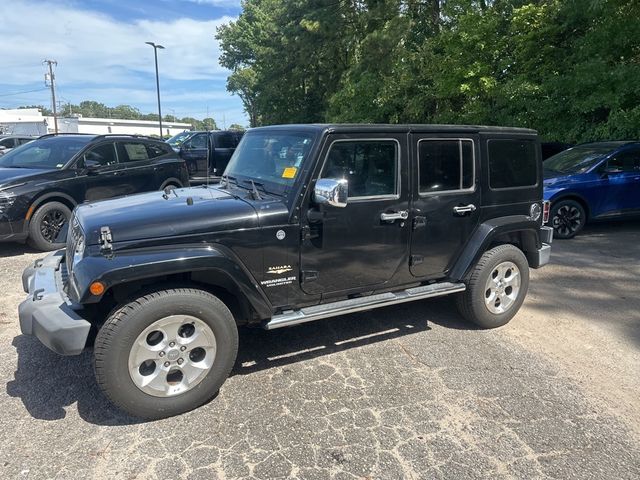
{"x":417,"y":128}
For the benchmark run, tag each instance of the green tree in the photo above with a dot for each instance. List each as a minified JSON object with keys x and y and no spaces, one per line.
{"x":570,"y":69}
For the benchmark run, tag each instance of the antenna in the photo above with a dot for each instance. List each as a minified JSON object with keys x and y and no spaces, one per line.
{"x":208,"y":152}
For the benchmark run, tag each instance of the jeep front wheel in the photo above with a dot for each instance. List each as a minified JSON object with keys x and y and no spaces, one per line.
{"x":496,"y":287}
{"x":166,"y":352}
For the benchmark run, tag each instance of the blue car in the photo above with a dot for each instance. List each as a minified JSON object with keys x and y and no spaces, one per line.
{"x":592,"y":181}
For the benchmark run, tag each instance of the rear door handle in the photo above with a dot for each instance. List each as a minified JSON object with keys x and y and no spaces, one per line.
{"x":461,"y":210}
{"x":392,"y":217}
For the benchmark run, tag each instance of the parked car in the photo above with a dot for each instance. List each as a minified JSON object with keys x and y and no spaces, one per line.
{"x":176,"y":140}
{"x":206,"y":153}
{"x":549,"y":149}
{"x":593,"y":181}
{"x":9,"y":142}
{"x":354,"y":217}
{"x":41,"y":182}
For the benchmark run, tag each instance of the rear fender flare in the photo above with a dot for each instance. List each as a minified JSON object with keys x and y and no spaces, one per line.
{"x":487,"y":233}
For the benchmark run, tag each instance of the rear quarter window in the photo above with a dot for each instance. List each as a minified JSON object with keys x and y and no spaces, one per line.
{"x":513,"y":163}
{"x":155,"y":151}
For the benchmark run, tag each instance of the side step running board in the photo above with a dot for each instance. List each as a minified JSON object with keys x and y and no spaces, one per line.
{"x":317,"y":312}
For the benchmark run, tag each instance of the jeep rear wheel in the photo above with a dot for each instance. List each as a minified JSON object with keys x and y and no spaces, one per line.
{"x":166,"y":352}
{"x":496,"y":287}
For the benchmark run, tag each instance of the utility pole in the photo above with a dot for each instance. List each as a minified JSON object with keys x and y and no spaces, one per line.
{"x":155,"y":54}
{"x":52,"y":78}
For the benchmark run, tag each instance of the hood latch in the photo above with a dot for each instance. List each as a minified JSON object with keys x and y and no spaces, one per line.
{"x":106,"y":240}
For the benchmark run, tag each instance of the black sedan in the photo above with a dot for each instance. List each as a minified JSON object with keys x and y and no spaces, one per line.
{"x":42,"y":181}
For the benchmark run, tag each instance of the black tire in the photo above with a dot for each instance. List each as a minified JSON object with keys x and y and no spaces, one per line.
{"x":46,"y":223}
{"x":471,"y":303}
{"x":170,"y":186}
{"x":568,"y":217}
{"x":116,"y":338}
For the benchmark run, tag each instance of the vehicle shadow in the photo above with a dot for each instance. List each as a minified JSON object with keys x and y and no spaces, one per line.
{"x":16,"y":249}
{"x":47,"y":384}
{"x":594,"y":279}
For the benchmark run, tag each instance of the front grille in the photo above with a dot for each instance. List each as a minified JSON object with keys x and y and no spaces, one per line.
{"x":75,"y":232}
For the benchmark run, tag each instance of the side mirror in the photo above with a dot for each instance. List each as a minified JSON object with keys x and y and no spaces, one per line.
{"x":611,"y":171}
{"x":331,"y":191}
{"x":91,"y":167}
{"x":2,"y":148}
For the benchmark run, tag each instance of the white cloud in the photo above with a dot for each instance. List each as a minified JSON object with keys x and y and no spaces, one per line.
{"x":92,"y":48}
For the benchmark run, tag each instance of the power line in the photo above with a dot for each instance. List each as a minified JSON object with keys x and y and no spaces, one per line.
{"x":24,"y":91}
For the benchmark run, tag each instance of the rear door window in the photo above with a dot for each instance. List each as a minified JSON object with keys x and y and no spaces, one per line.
{"x":445,"y":165}
{"x":225,"y":140}
{"x":134,"y":152}
{"x":513,"y":163}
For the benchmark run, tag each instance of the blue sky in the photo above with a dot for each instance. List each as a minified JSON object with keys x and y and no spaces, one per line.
{"x":101,"y":54}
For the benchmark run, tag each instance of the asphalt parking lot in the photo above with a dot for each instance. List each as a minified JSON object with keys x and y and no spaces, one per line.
{"x":403,"y":392}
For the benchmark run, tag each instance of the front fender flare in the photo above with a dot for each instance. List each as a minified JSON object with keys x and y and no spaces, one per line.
{"x":148,"y":263}
{"x":485,"y":234}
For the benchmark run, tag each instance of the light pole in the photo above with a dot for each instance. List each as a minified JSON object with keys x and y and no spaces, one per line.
{"x":155,"y":54}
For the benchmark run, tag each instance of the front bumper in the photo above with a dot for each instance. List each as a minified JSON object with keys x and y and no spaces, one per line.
{"x":12,"y":231}
{"x":47,"y":312}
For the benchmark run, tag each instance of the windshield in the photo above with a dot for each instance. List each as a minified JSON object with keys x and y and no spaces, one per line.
{"x":49,"y":153}
{"x":576,"y":160}
{"x":271,"y":158}
{"x":179,"y":139}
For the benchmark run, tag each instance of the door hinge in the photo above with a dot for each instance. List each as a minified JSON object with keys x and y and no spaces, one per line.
{"x":415,"y":260}
{"x":305,"y":233}
{"x":419,"y":221}
{"x":309,"y":276}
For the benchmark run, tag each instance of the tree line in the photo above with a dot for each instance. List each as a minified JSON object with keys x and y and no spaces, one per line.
{"x":90,"y":108}
{"x":567,"y":68}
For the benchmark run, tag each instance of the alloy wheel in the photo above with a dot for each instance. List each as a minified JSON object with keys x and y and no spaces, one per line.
{"x":51,"y":225}
{"x":502,"y":287}
{"x":567,"y":220}
{"x":172,"y":355}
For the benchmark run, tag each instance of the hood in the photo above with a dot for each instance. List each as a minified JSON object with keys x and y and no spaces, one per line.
{"x":8,"y":174}
{"x":186,"y":211}
{"x":552,"y":178}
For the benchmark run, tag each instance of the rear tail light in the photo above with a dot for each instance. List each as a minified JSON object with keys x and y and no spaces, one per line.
{"x":546,"y":208}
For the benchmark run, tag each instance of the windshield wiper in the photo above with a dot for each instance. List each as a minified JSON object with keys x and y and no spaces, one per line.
{"x":254,"y":191}
{"x":226,"y":179}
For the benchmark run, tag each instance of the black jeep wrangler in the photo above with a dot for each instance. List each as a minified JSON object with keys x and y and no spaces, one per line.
{"x":308,"y":222}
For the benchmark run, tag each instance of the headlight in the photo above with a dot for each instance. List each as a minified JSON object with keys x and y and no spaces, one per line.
{"x":6,"y":200}
{"x":78,"y":251}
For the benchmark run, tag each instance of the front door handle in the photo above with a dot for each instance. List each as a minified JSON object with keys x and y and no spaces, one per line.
{"x":392,"y":217}
{"x":463,"y":209}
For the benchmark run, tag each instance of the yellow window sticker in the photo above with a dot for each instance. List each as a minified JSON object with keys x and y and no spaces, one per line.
{"x":289,"y":172}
